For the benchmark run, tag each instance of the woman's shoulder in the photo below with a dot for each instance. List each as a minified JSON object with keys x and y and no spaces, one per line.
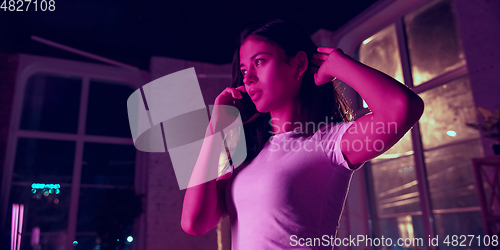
{"x":330,"y":130}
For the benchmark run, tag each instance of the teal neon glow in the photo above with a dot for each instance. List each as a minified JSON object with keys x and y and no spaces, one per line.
{"x":45,"y":186}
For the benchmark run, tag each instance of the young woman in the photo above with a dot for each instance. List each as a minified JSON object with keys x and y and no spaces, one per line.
{"x":302,"y":145}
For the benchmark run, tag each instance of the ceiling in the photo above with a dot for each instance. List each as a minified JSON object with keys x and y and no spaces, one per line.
{"x":132,"y":31}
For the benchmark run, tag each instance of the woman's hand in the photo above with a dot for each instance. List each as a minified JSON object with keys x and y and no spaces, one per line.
{"x":326,"y":64}
{"x":228,"y":95}
{"x":222,"y":115}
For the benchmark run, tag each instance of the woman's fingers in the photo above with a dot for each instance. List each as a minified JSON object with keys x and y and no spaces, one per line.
{"x":227,"y":96}
{"x":235,"y":93}
{"x":325,"y":50}
{"x":324,"y":74}
{"x":328,"y":50}
{"x":241,"y":88}
{"x":320,"y":56}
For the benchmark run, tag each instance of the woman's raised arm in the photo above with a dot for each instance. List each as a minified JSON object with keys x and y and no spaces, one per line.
{"x":204,"y":204}
{"x":394,"y":107}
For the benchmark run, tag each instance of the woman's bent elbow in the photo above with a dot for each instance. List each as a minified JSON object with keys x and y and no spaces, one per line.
{"x":190,"y":228}
{"x":193,"y":228}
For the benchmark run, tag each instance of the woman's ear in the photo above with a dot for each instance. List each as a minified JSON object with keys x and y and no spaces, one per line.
{"x":301,"y":62}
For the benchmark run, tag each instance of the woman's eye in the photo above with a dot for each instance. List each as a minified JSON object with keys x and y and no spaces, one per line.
{"x":243,"y":72}
{"x":259,"y":61}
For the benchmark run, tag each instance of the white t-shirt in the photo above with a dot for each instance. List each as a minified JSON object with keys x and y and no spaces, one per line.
{"x":293,"y":190}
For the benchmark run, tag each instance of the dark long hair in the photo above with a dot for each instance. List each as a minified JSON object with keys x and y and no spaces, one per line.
{"x":315,"y":103}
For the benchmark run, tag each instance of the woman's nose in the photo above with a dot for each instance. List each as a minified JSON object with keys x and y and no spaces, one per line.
{"x":250,"y":77}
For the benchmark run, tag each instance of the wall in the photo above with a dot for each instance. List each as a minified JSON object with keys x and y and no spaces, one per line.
{"x":164,"y":199}
{"x":479,"y":27}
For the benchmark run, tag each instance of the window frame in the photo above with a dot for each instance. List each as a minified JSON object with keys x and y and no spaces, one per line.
{"x":349,"y":37}
{"x":29,"y":65}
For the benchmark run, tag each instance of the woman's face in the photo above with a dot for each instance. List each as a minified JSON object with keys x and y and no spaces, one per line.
{"x":269,"y":80}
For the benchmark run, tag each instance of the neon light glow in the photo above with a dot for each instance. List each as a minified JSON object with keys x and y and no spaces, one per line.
{"x":45,"y":186}
{"x":46,"y":189}
{"x":17,"y":226}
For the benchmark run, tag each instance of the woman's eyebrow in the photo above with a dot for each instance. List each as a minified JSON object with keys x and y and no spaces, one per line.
{"x":256,"y":54}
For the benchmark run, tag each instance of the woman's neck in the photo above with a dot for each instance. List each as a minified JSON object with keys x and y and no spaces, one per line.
{"x":285,"y":118}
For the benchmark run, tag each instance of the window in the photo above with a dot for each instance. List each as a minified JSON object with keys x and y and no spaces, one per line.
{"x":433,"y":41}
{"x":380,"y":51}
{"x":73,"y":154}
{"x":437,"y":73}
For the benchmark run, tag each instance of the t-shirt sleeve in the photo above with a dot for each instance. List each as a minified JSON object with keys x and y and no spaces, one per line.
{"x":331,"y":140}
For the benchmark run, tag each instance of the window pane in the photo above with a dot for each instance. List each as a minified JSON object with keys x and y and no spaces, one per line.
{"x":453,"y":224}
{"x":451,"y":176}
{"x":86,"y":242}
{"x":48,"y":240}
{"x":447,"y":109}
{"x":97,"y":203}
{"x":51,"y":103}
{"x":107,"y":109}
{"x":109,"y":212}
{"x":404,"y":227}
{"x":449,"y":145}
{"x":402,"y":148}
{"x":47,"y":211}
{"x":433,"y":41}
{"x":397,"y":198}
{"x":381,"y":52}
{"x":108,"y":164}
{"x":395,"y":186}
{"x":44,"y":161}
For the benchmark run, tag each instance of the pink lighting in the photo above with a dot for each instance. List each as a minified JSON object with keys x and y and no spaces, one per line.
{"x":13,"y":234}
{"x":17,"y":226}
{"x":35,"y":237}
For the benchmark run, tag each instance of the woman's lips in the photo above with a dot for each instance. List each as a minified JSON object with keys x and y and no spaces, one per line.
{"x":256,"y":95}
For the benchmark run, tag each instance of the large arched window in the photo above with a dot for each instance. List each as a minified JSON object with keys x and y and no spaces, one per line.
{"x":70,"y":156}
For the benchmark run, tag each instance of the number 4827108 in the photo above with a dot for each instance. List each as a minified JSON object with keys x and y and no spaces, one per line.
{"x":28,"y":5}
